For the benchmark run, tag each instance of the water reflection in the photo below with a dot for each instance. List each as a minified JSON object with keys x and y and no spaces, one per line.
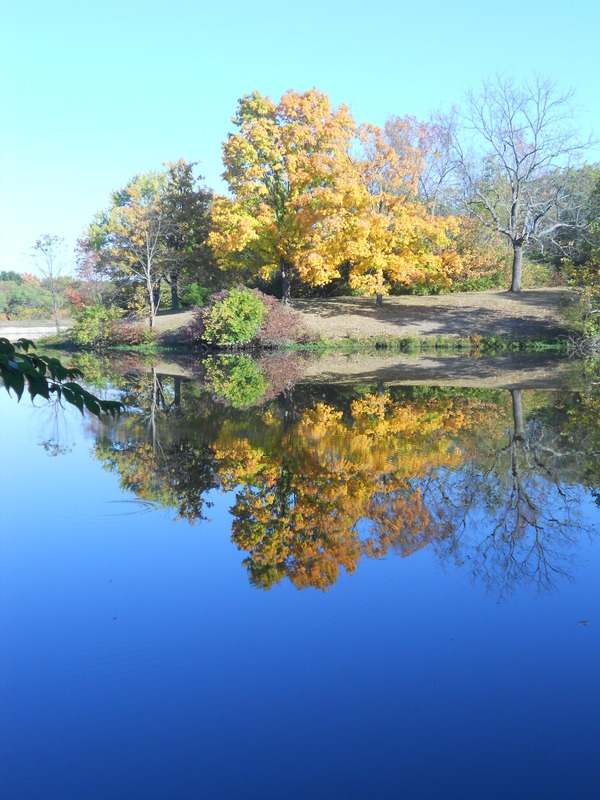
{"x":323,"y":476}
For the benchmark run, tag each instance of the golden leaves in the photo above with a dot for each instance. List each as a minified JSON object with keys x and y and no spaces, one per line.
{"x":304,"y":197}
{"x":283,"y":167}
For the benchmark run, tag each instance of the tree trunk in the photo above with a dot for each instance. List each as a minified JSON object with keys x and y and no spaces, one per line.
{"x":174,"y":298}
{"x":517,"y":267}
{"x":288,"y":407}
{"x":517,"y":408}
{"x":153,"y":409}
{"x":379,"y":300}
{"x":151,"y":296}
{"x":55,"y":305}
{"x":286,"y":271}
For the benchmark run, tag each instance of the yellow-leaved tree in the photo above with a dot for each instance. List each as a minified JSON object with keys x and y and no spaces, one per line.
{"x":310,"y":191}
{"x":391,"y":237}
{"x":287,"y":168}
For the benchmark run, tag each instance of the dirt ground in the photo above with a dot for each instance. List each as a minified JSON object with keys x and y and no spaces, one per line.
{"x":533,"y":313}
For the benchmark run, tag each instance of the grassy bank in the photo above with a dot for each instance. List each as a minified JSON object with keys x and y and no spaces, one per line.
{"x":432,"y":344}
{"x":473,"y":345}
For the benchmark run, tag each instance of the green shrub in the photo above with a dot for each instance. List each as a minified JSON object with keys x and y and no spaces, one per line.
{"x":194,"y":295}
{"x":539,"y":273}
{"x":240,"y":316}
{"x":238,"y":381}
{"x":147,"y":336}
{"x":94,"y":325}
{"x":235,"y":317}
{"x":481,"y":283}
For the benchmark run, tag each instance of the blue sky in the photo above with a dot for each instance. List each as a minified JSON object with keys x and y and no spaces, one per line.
{"x":93,"y":93}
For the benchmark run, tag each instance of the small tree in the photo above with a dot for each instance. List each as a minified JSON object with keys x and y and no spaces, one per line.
{"x":514,"y":147}
{"x":153,"y":230}
{"x":129,"y":241}
{"x":138,"y":230}
{"x":47,"y":257}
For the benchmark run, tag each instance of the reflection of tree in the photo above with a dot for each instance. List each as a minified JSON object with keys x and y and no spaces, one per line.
{"x":401,"y":522}
{"x":296,"y":520}
{"x":56,"y":420}
{"x":515,"y":511}
{"x":322,"y":483}
{"x":177,"y":475}
{"x":307,"y":484}
{"x":237,"y":380}
{"x":242,"y":382}
{"x":150,"y":453}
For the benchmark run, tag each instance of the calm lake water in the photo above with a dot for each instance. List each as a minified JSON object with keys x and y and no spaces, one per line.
{"x":253,"y":586}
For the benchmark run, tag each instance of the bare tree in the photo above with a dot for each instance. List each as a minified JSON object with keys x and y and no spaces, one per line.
{"x":515,"y":148}
{"x":47,"y":256}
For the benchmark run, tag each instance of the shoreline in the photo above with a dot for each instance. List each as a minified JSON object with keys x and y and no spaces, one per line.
{"x":491,"y":320}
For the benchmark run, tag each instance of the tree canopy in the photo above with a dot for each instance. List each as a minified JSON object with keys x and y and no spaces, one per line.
{"x":286,"y":168}
{"x":391,"y":237}
{"x":311,"y":191}
{"x":317,"y":201}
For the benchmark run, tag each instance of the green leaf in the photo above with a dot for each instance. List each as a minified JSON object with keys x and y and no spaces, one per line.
{"x":37,"y":384}
{"x":25,"y":344}
{"x":13,"y":380}
{"x":91,"y":404}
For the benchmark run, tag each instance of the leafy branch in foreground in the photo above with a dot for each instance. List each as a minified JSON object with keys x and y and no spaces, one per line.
{"x":45,"y":376}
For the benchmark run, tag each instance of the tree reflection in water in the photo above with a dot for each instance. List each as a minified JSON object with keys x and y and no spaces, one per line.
{"x":515,"y":510}
{"x":324,"y":477}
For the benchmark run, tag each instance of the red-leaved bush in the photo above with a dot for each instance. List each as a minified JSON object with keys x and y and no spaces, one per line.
{"x":280,"y":324}
{"x":132,"y":333}
{"x":281,"y":372}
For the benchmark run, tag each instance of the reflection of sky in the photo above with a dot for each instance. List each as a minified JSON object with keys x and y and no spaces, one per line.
{"x":139,"y":662}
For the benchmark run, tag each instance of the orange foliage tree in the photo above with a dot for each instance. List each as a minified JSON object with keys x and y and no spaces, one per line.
{"x":304,"y":200}
{"x":305,"y":490}
{"x":322,"y":484}
{"x":285,"y":168}
{"x":392,"y":239}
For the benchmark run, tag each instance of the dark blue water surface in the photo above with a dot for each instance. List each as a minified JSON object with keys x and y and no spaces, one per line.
{"x":141,"y":658}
